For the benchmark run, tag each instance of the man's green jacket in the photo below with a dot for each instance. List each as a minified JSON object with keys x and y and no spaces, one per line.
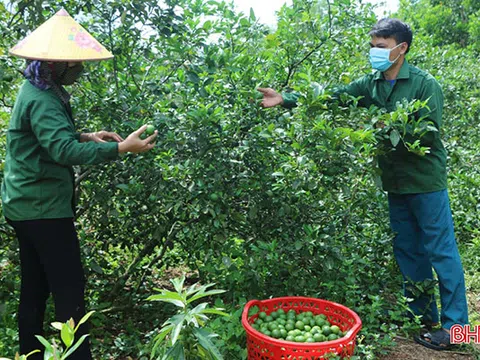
{"x":404,"y":172}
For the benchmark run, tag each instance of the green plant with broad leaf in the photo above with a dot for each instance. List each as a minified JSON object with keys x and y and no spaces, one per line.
{"x":56,"y":351}
{"x":184,"y":336}
{"x":22,"y":357}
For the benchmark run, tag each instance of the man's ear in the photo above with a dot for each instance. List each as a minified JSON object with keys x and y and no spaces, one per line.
{"x":404,"y":47}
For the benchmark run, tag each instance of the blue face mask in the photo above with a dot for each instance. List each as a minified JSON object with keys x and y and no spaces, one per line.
{"x":380,"y":58}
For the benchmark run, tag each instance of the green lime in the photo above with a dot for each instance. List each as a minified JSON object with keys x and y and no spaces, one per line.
{"x":300,"y":325}
{"x":276,"y":333}
{"x":332,"y":337}
{"x":299,"y":339}
{"x":326,"y":330}
{"x":150,"y":129}
{"x":272,"y":326}
{"x":335,"y":329}
{"x":262,"y":315}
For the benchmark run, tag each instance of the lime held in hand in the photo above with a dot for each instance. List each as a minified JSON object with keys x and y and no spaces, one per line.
{"x":150,"y":129}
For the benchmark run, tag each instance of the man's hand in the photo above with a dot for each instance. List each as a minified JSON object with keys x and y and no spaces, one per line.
{"x":134,"y":144}
{"x":271,"y":98}
{"x":100,"y":137}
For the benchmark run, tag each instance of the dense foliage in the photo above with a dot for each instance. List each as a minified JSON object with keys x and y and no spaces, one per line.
{"x":261,"y":202}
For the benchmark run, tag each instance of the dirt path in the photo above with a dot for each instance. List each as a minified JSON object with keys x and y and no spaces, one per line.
{"x":409,"y":350}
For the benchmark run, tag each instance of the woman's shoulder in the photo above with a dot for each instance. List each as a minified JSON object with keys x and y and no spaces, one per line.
{"x":31,"y":94}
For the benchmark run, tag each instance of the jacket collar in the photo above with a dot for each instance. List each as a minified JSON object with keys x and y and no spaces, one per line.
{"x":404,"y":72}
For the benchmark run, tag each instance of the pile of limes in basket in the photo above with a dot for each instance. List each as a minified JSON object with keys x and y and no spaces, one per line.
{"x":304,"y":327}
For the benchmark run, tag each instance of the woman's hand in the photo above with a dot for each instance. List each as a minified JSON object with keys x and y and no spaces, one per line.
{"x":100,"y":137}
{"x":134,"y":144}
{"x":271,"y":98}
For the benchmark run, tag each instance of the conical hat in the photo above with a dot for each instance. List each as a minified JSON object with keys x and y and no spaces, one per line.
{"x":60,"y":38}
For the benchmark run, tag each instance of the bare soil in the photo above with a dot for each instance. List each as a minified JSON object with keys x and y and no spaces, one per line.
{"x":409,"y":350}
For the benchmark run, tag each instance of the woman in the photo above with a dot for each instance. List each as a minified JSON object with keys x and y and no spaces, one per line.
{"x":38,"y":187}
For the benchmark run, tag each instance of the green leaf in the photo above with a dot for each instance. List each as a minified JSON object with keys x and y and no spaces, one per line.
{"x":204,"y":294}
{"x":32,"y":352}
{"x":216,"y":312}
{"x":123,"y":187}
{"x":203,"y":338}
{"x":178,"y":283}
{"x":45,"y":343}
{"x":84,"y":319}
{"x":193,"y":77}
{"x":67,"y":334}
{"x":193,"y":289}
{"x":57,"y":325}
{"x":176,"y":352}
{"x":169,"y":297}
{"x":394,"y":137}
{"x":95,"y":267}
{"x":161,"y":336}
{"x":252,"y":15}
{"x":199,"y":308}
{"x":207,"y":25}
{"x":75,"y":347}
{"x":244,"y":22}
{"x":178,"y":325}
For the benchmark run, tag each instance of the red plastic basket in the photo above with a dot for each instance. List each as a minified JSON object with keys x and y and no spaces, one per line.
{"x":261,"y":347}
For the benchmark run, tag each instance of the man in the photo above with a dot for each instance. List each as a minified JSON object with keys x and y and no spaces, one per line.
{"x":419,"y":206}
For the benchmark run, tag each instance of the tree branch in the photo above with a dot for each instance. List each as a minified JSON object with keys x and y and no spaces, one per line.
{"x":293,"y":67}
{"x":2,"y":99}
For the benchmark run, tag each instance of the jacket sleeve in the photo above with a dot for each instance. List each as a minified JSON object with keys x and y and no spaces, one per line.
{"x":290,"y":99}
{"x":356,"y":88}
{"x":56,"y":134}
